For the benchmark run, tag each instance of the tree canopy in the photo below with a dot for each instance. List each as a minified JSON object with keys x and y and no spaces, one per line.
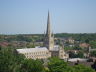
{"x":10,"y":61}
{"x":57,"y":65}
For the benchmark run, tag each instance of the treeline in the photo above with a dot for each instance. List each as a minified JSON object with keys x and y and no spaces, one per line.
{"x":31,"y":37}
{"x":10,"y":61}
{"x":78,"y":36}
{"x":21,"y":37}
{"x":89,"y":38}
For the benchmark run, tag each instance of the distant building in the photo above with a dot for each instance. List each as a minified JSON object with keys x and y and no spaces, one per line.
{"x":4,"y":44}
{"x":49,"y":49}
{"x":77,"y":59}
{"x":71,"y":40}
{"x":84,"y":45}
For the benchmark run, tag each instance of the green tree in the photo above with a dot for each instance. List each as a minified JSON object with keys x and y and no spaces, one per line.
{"x":82,"y":68}
{"x":93,"y":53}
{"x":93,"y":44}
{"x":9,"y":60}
{"x":57,"y":65}
{"x":29,"y":65}
{"x":87,"y":41}
{"x":80,"y":54}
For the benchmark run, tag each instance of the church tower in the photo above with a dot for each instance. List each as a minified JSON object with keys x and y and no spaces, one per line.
{"x":49,"y":37}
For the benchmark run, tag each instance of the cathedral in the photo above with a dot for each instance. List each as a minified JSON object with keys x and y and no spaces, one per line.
{"x":49,"y":48}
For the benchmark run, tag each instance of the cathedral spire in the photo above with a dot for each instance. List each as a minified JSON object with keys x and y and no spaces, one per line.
{"x":48,"y":25}
{"x":49,"y":38}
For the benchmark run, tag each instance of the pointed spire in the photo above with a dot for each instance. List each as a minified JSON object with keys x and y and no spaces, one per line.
{"x":44,"y":34}
{"x":48,"y":24}
{"x":49,"y":39}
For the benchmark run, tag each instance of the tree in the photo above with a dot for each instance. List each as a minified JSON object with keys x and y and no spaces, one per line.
{"x":93,"y":53}
{"x":29,"y":65}
{"x":87,"y":40}
{"x":93,"y":44}
{"x":9,"y":60}
{"x":94,"y":65}
{"x":57,"y":65}
{"x":82,"y":68}
{"x":80,"y":54}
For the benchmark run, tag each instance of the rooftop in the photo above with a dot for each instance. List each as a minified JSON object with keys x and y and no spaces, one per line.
{"x":75,"y":60}
{"x":28,"y":50}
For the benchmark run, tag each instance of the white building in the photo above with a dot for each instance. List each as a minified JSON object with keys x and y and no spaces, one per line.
{"x":35,"y":53}
{"x":49,"y":49}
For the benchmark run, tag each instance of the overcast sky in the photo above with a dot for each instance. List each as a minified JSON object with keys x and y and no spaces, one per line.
{"x":30,"y":16}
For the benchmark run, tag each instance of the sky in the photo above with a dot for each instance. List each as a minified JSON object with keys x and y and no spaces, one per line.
{"x":30,"y":16}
